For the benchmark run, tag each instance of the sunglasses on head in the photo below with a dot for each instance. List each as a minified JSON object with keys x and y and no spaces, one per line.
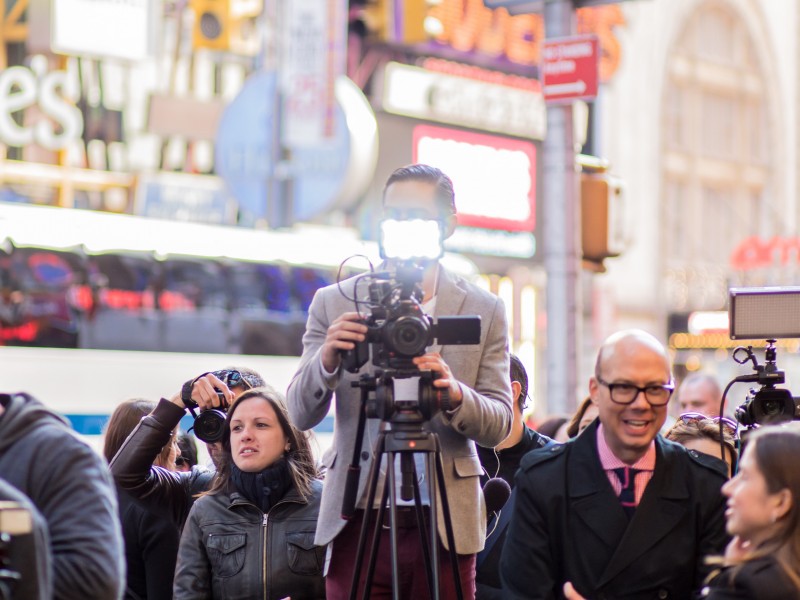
{"x":232,"y":379}
{"x":693,"y":417}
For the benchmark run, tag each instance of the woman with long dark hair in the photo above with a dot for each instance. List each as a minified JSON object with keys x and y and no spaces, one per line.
{"x":151,"y":537}
{"x":252,"y":534}
{"x":762,"y":561}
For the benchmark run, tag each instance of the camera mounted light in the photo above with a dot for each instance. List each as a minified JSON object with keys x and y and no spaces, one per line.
{"x":764,"y":313}
{"x":411,"y":239}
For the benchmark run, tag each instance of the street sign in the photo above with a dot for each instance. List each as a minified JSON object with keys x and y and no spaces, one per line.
{"x":571,"y":68}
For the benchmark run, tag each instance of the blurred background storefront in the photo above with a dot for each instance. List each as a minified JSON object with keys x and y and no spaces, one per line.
{"x":265,"y":130}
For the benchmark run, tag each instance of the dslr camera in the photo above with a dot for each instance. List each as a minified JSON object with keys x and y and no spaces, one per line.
{"x":209,"y":425}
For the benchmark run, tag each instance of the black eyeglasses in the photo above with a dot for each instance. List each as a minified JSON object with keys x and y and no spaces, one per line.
{"x":232,"y":379}
{"x":626,"y":393}
{"x":695,"y":417}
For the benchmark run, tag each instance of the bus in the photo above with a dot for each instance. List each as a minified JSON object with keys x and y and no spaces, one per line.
{"x":96,"y":308}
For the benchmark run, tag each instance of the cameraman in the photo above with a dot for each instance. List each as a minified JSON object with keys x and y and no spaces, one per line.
{"x":480,"y":403}
{"x":172,"y":491}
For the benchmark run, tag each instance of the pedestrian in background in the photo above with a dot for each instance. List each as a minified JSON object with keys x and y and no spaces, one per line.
{"x":762,"y":561}
{"x":70,"y":485}
{"x":151,"y":537}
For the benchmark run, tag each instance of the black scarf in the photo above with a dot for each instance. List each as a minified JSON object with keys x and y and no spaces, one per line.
{"x":265,"y":488}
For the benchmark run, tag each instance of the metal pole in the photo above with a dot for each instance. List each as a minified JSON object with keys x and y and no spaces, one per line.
{"x":562,"y":241}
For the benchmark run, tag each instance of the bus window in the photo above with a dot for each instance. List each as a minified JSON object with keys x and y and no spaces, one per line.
{"x":305,"y":283}
{"x":36,"y":301}
{"x":257,"y":286}
{"x":193,"y":284}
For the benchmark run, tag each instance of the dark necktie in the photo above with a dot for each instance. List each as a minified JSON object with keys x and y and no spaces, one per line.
{"x":627,"y":497}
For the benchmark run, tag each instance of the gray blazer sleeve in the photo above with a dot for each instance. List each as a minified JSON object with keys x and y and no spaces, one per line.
{"x":485,"y":414}
{"x":309,"y":394}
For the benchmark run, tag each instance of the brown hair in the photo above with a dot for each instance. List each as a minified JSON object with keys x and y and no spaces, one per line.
{"x":696,"y":429}
{"x":123,"y":421}
{"x":299,"y":458}
{"x":776,"y":449}
{"x":575,"y":422}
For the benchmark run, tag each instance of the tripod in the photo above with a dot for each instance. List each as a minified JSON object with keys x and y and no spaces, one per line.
{"x":402,"y":435}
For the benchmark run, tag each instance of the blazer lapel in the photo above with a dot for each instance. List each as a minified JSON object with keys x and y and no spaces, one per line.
{"x":449,"y":298}
{"x":591,"y":496}
{"x":663,"y":506}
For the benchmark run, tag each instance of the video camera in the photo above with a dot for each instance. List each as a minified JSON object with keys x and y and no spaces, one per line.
{"x":768,"y":314}
{"x":209,"y":425}
{"x":398,"y":330}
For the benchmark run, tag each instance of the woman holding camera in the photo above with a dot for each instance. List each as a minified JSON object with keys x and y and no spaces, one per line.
{"x":252,"y":534}
{"x":762,"y":561}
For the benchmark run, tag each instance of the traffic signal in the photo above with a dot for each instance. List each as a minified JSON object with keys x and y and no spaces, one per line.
{"x":212,"y":24}
{"x":603,"y":232}
{"x":403,"y":22}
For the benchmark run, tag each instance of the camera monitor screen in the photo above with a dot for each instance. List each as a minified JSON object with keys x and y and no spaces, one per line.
{"x":764,"y":313}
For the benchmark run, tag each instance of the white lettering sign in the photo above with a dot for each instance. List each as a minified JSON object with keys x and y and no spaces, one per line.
{"x":54,"y":92}
{"x":415,"y":92}
{"x":122,"y":29}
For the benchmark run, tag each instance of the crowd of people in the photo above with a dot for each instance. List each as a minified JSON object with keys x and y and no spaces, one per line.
{"x":609,"y":503}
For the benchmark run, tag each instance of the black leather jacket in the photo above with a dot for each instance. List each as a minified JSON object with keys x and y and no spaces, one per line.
{"x":134,"y":471}
{"x":231,"y":550}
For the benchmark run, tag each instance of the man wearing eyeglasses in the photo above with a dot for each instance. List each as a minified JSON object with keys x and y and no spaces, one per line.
{"x":175,"y":492}
{"x":618,"y":512}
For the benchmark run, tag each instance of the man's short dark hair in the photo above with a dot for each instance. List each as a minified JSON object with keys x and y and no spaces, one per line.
{"x":445,"y":194}
{"x":518,"y":373}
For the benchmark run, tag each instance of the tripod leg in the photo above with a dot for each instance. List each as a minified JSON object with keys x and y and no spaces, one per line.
{"x":390,"y":483}
{"x":448,"y":524}
{"x":376,"y":540}
{"x":362,"y":536}
{"x":423,"y":532}
{"x":433,"y":485}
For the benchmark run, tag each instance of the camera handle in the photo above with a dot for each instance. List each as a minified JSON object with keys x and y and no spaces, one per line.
{"x":367,"y":384}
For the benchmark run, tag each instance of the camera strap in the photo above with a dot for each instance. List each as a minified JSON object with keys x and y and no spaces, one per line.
{"x":186,"y":392}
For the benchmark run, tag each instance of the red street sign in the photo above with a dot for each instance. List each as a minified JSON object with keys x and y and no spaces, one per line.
{"x":571,"y":68}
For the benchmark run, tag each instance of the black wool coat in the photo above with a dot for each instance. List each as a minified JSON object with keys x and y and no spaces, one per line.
{"x":568,"y":525}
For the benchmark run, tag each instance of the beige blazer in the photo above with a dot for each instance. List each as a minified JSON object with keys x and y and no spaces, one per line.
{"x":484,"y":417}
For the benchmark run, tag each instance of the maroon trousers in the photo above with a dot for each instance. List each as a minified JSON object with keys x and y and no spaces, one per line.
{"x":413,"y":577}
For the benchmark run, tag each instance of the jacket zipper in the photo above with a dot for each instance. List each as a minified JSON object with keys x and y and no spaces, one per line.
{"x":265,"y":529}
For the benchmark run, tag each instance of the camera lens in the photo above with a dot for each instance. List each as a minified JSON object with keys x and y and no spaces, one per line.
{"x":210,"y":425}
{"x":407,"y":335}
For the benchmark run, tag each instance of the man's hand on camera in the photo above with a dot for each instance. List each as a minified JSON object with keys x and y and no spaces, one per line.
{"x":204,"y":393}
{"x":342,"y":335}
{"x":432,"y":361}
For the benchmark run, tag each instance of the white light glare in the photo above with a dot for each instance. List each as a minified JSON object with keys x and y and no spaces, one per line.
{"x":413,"y":238}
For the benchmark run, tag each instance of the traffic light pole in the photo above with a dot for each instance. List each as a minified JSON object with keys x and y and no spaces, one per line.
{"x":562,"y":237}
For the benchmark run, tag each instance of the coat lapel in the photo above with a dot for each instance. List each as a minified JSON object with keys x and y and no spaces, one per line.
{"x":591,"y":496}
{"x":449,"y":298}
{"x":663,"y":506}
